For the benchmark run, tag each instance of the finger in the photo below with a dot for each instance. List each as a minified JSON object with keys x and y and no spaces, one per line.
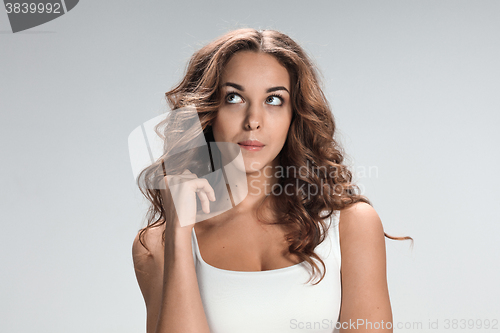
{"x":178,"y":179}
{"x":203,"y":184}
{"x":205,"y":203}
{"x":186,"y":174}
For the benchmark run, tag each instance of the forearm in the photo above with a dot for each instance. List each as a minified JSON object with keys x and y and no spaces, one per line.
{"x":181,"y":308}
{"x":365,"y":323}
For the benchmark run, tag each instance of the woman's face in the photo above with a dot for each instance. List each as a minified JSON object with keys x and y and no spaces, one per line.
{"x":256,"y":111}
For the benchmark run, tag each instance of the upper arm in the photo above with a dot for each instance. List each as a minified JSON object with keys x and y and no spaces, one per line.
{"x":148,"y":266}
{"x":365,"y":296}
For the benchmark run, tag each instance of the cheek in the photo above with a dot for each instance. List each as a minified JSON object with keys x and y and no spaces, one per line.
{"x":283,"y":130}
{"x":216,"y":127}
{"x":228,"y":119}
{"x":284,"y":134}
{"x":215,"y":130}
{"x":221,"y":128}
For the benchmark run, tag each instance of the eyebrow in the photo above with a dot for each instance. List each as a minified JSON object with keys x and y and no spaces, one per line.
{"x":239,"y":87}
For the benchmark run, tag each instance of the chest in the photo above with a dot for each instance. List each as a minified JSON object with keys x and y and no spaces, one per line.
{"x":276,"y":300}
{"x":244,"y":247}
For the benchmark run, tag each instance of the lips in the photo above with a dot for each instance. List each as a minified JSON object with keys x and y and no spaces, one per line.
{"x":251,"y":143}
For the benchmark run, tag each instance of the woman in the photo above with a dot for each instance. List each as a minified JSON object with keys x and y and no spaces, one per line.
{"x":243,"y":270}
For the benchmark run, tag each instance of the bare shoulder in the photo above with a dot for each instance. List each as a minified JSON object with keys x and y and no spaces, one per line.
{"x":148,"y":262}
{"x":150,"y":248}
{"x":362,"y":244}
{"x":364,"y":281}
{"x":360,"y":220}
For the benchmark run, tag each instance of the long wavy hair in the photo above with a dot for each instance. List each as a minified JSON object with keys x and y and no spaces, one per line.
{"x":310,"y":145}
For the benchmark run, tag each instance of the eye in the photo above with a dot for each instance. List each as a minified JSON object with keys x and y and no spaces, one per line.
{"x":233,"y":98}
{"x":276,"y":100}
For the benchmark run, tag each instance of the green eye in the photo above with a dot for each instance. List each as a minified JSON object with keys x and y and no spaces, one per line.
{"x":233,"y":98}
{"x":275,"y":100}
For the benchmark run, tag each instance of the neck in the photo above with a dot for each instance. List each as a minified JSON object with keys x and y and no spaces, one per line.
{"x":260,"y":185}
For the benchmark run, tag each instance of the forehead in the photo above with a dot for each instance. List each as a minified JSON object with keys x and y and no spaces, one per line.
{"x":250,"y":68}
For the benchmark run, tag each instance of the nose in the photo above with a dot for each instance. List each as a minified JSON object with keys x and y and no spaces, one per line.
{"x":254,"y":118}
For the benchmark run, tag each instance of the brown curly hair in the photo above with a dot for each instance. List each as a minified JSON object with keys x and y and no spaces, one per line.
{"x":309,"y":145}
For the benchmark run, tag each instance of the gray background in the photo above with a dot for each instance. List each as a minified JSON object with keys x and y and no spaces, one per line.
{"x":414,"y":90}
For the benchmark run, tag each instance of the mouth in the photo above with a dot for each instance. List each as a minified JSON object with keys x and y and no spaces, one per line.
{"x":251,"y":145}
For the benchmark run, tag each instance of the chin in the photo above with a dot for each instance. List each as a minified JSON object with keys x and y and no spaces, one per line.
{"x":253,"y":166}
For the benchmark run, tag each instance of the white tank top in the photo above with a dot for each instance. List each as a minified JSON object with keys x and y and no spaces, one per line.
{"x":274,"y":300}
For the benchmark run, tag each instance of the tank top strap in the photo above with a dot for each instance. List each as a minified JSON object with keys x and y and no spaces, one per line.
{"x":194,"y":246}
{"x":334,"y":235}
{"x":330,"y":247}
